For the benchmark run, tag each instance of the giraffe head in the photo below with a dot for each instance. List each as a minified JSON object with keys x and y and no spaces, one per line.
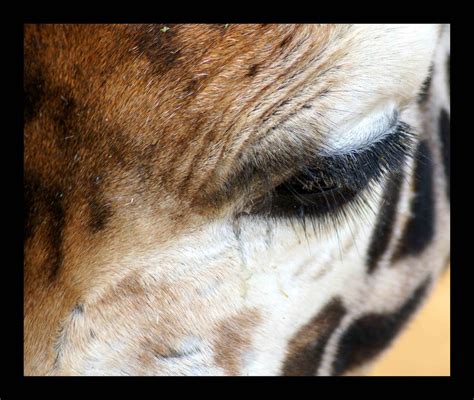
{"x":228,"y":199}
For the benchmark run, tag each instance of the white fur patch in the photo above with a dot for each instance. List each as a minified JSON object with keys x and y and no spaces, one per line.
{"x":357,"y":134}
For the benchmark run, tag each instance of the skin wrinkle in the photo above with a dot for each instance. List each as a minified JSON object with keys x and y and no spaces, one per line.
{"x":213,"y":129}
{"x":246,"y":142}
{"x":252,"y":141}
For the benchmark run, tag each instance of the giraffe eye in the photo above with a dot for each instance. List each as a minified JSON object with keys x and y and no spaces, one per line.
{"x":307,"y":194}
{"x":329,"y":182}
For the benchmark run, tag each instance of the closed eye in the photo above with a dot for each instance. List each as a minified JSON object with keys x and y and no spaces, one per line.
{"x":330,"y":182}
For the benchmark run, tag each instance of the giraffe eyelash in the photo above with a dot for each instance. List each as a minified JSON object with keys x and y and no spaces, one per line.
{"x":336,"y":187}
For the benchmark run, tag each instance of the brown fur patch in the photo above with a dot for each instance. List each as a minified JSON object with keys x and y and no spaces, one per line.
{"x":234,"y":338}
{"x":306,"y":348}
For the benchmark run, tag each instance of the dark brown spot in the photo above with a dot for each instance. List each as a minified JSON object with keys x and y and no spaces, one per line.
{"x":367,"y":336}
{"x":419,"y":230}
{"x":44,"y":206}
{"x":425,"y":87}
{"x":78,"y":309}
{"x":100,"y":210}
{"x":64,"y":117}
{"x":252,"y":71}
{"x":33,"y":91}
{"x":191,"y":87}
{"x":100,"y":215}
{"x":306,"y":348}
{"x":159,"y":46}
{"x":445,"y":137}
{"x":385,"y":221}
{"x":285,"y":41}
